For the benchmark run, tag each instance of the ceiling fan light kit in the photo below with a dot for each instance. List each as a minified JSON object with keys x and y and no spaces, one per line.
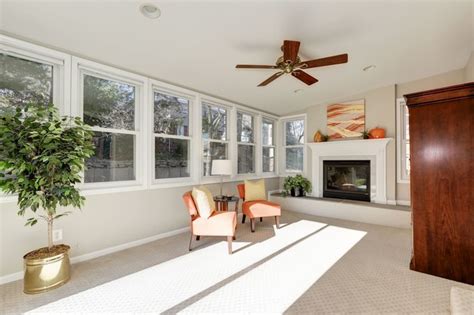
{"x":290,"y":63}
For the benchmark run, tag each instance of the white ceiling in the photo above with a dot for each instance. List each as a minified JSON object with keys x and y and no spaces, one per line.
{"x":196,"y":44}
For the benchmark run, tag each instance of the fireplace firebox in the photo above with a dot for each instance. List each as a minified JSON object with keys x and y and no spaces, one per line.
{"x":347,"y":179}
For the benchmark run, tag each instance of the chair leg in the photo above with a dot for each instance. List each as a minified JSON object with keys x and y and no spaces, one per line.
{"x":261,"y":219}
{"x":243,"y":218}
{"x":252,"y":225}
{"x":190,"y":242}
{"x":198,"y":237}
{"x":229,"y":244}
{"x":277,"y":221}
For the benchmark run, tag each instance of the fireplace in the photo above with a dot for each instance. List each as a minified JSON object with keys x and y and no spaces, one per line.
{"x":347,"y":179}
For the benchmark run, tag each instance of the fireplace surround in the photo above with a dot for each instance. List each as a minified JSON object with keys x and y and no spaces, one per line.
{"x":374,"y":150}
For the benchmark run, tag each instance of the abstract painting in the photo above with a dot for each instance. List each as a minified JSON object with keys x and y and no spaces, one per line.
{"x":346,"y":120}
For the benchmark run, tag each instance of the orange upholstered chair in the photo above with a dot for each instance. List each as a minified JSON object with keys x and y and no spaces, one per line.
{"x":258,"y":209}
{"x":220,"y":223}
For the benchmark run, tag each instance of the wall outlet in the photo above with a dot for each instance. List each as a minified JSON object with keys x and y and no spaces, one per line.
{"x":57,"y":235}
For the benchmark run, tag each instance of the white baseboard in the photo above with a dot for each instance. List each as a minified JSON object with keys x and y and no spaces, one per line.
{"x":391,"y":202}
{"x":11,"y":277}
{"x":404,"y":202}
{"x":19,"y":275}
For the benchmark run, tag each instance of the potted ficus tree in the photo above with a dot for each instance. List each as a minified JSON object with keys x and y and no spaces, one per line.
{"x":42,"y":158}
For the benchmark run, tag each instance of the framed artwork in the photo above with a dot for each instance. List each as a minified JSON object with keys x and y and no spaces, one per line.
{"x":346,"y":120}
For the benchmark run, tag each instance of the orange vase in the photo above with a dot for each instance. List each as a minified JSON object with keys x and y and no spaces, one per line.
{"x":377,"y":133}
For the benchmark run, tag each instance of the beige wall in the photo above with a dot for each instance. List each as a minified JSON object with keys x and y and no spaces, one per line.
{"x":379,"y":110}
{"x":437,"y":81}
{"x":380,"y":107}
{"x":106,"y":220}
{"x":469,"y":71}
{"x":434,"y":82}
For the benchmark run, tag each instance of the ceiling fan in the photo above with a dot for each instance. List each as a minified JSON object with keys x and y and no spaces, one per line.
{"x":291,"y":63}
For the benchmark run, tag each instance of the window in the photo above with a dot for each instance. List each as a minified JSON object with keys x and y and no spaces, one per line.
{"x":245,"y":144}
{"x":172,"y":136}
{"x":32,"y":74}
{"x":24,"y":81}
{"x":268,"y":145}
{"x":294,"y":145}
{"x":109,"y":107}
{"x":116,"y":103}
{"x":403,"y":137}
{"x":214,"y":135}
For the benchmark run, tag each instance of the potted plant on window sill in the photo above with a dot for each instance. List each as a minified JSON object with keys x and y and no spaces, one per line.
{"x":41,"y":159}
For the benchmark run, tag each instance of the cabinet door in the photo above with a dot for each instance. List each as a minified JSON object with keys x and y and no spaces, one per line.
{"x":442,"y":185}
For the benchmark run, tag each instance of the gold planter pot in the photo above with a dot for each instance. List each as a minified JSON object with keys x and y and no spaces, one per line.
{"x":44,"y":274}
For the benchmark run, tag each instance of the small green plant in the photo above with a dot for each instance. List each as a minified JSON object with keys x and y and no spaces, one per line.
{"x":42,"y":157}
{"x":303,"y":183}
{"x":289,"y":184}
{"x":365,"y":134}
{"x":296,"y":183}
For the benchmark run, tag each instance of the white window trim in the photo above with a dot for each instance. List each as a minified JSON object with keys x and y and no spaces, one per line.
{"x":283,"y":121}
{"x":61,"y":75}
{"x":66,"y":92}
{"x":80,"y":67}
{"x":254,"y":143}
{"x":274,"y":145}
{"x":61,"y":63}
{"x":156,"y":86}
{"x":402,"y":176}
{"x":229,"y":135}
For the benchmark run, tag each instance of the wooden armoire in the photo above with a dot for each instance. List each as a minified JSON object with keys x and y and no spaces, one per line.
{"x":442,"y":181}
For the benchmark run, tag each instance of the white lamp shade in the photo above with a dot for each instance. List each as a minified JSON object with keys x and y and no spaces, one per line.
{"x":221,"y":167}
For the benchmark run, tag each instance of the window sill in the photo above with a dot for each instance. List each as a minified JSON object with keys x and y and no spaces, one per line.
{"x":89,"y":191}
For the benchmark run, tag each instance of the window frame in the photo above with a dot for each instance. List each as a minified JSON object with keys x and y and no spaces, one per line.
{"x":253,"y":144}
{"x":403,"y":175}
{"x":156,"y":86}
{"x":82,"y":67}
{"x":66,"y":70}
{"x":274,"y":145}
{"x":61,"y":63}
{"x":229,"y":128}
{"x":284,"y":121}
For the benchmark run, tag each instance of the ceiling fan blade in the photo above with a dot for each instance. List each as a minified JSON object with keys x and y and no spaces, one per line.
{"x":321,"y":62}
{"x":270,"y":79}
{"x":290,"y":51}
{"x":256,"y":67}
{"x":304,"y":77}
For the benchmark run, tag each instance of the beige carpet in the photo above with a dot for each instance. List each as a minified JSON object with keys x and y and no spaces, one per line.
{"x":270,"y":272}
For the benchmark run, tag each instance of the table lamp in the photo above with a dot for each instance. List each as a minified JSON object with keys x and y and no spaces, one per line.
{"x":221,"y":168}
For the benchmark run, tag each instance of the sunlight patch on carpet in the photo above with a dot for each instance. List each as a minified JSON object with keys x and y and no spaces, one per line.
{"x":170,"y":283}
{"x":276,"y":284}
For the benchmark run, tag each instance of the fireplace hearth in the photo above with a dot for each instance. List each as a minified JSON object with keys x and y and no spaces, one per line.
{"x":348,"y":179}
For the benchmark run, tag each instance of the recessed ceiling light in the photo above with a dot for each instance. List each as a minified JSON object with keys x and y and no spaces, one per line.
{"x":369,"y":68}
{"x":150,"y":11}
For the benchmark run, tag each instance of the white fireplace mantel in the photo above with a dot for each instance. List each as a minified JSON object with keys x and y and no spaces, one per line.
{"x":371,"y":149}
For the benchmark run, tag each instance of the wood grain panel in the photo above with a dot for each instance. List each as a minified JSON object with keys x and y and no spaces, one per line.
{"x":442,"y":182}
